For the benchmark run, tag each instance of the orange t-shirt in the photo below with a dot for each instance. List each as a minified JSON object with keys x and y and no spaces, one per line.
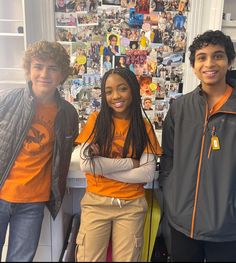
{"x":222,"y":100}
{"x":30,"y":177}
{"x":107,"y":187}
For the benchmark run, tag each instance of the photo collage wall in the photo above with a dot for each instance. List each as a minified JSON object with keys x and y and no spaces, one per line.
{"x":146,"y":36}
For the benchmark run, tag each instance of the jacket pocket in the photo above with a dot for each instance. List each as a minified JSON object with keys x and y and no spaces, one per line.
{"x":68,"y":139}
{"x":67,"y":149}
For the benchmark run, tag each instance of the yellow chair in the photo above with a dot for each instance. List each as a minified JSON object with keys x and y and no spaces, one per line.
{"x":151,"y":225}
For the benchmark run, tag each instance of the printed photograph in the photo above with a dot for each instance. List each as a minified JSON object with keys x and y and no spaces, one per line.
{"x":111,"y":2}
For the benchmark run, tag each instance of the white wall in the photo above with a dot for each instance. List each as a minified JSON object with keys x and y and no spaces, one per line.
{"x":40,"y":17}
{"x":228,"y":8}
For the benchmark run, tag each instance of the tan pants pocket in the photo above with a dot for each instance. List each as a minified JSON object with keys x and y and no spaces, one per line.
{"x":138,"y":244}
{"x":80,"y":248}
{"x":138,"y":241}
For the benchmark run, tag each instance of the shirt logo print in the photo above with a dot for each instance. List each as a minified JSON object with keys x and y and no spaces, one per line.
{"x":36,"y":137}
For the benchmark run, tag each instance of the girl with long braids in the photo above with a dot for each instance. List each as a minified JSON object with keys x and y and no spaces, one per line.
{"x":117,"y":150}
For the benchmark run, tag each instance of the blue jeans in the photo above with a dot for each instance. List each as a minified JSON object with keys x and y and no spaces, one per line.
{"x":25,"y":221}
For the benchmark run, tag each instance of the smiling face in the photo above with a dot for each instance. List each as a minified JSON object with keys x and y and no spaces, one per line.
{"x":113,"y":41}
{"x":211,"y":65}
{"x":147,"y":104}
{"x":122,"y":60}
{"x":118,"y":96}
{"x":46,"y":77}
{"x":60,"y":3}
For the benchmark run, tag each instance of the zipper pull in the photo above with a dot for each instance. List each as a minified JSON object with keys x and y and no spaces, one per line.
{"x":215,"y":143}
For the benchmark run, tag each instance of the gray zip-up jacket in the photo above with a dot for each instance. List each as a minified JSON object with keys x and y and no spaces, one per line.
{"x":199,"y":183}
{"x":17,"y":107}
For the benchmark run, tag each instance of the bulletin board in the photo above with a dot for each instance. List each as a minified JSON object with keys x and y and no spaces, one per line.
{"x":146,"y":36}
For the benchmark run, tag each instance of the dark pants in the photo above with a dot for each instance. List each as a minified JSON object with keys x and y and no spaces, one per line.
{"x":186,"y":249}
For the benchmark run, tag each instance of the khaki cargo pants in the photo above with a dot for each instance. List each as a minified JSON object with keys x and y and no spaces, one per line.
{"x":103,"y":218}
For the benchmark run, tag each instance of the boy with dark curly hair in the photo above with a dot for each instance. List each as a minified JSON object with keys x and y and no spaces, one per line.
{"x":198,"y":168}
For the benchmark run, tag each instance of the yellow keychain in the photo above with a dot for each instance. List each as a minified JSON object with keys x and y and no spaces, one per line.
{"x":215,"y":144}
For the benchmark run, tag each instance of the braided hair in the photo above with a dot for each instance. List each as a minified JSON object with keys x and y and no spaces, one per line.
{"x":103,"y":132}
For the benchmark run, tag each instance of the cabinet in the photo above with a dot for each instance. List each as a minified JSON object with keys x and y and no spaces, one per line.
{"x":21,"y":23}
{"x":12,"y":42}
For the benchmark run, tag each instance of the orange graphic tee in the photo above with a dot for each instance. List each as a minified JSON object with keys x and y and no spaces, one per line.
{"x":101,"y":185}
{"x":30,"y":177}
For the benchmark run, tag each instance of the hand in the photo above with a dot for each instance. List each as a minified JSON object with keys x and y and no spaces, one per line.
{"x":136,"y":163}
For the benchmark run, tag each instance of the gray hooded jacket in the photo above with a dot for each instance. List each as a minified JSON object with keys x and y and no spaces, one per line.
{"x":199,"y":183}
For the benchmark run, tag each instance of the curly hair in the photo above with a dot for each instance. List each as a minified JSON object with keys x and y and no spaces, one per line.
{"x":216,"y":37}
{"x":47,"y":50}
{"x":111,"y":36}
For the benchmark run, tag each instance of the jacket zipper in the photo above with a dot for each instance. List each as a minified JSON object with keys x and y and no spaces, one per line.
{"x":56,"y":145}
{"x":198,"y":174}
{"x":17,"y":149}
{"x":210,"y":147}
{"x":200,"y":164}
